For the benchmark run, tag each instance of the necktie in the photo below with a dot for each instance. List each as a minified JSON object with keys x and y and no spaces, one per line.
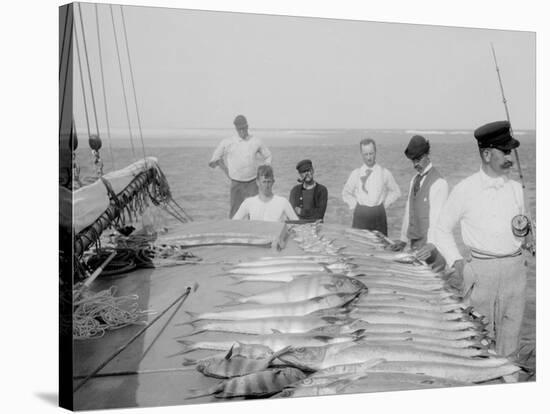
{"x":365,"y":177}
{"x":416,"y":184}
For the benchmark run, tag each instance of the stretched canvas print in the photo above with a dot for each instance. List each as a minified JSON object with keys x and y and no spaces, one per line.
{"x":257,"y":206}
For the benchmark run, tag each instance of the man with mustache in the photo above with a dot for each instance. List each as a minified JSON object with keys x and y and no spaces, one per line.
{"x":492,"y":276}
{"x":309,"y":198}
{"x":428,"y":192}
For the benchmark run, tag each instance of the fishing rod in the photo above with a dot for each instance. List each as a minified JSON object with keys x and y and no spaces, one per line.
{"x":530,"y":223}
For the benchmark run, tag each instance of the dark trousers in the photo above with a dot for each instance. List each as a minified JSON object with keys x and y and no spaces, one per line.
{"x":370,"y":218}
{"x":239,"y":191}
{"x":435,"y":260}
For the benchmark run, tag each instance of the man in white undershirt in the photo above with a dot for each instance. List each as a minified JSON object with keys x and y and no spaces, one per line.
{"x":428,"y":192}
{"x":265,"y":206}
{"x":492,"y":276}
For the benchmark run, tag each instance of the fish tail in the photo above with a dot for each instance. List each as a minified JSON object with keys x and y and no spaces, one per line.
{"x":188,"y":361}
{"x":189,"y":346}
{"x":194,"y":393}
{"x":195,"y":332}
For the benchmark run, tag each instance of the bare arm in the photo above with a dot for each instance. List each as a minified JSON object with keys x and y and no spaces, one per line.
{"x":348,"y":192}
{"x":393,"y":190}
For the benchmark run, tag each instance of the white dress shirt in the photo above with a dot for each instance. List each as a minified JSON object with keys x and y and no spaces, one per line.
{"x":240,"y":156}
{"x":380,"y":187}
{"x":276,"y":209}
{"x":437,"y":197}
{"x":484,"y":206}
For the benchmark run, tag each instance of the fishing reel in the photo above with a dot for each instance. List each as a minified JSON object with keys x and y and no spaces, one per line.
{"x":522,"y":227}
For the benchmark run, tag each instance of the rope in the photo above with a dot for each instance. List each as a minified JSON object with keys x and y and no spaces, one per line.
{"x":70,"y":41}
{"x":103,"y":88}
{"x":88,"y":67}
{"x":122,"y":82}
{"x":94,"y":314}
{"x":132,"y":79}
{"x":82,"y":81}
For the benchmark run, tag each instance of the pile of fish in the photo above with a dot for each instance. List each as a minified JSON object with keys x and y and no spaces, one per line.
{"x":341,"y":320}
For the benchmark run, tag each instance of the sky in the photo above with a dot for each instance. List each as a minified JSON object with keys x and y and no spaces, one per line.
{"x":198,"y":69}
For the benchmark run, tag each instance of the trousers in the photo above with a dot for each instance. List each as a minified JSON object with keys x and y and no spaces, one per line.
{"x":497,"y":291}
{"x":370,"y":218}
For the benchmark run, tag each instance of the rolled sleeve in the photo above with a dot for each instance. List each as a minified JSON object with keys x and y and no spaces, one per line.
{"x":448,"y":219}
{"x":348,"y":192}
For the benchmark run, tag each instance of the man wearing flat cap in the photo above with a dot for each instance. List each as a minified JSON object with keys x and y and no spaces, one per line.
{"x":428,"y":192}
{"x":492,"y":276}
{"x":369,"y":190}
{"x":308,"y":199}
{"x":239,"y":157}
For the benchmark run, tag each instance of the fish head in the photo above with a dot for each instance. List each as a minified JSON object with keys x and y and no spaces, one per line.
{"x":203,"y":365}
{"x":306,"y":358}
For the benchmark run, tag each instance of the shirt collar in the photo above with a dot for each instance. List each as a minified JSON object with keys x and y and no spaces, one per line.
{"x":364,"y":168}
{"x":490,"y":182}
{"x":426,"y":171}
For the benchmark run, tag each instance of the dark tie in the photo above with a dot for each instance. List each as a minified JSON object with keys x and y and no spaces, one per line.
{"x":416,"y":184}
{"x":365,"y":177}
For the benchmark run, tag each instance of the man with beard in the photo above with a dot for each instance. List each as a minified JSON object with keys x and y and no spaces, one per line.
{"x":309,"y":199}
{"x":265,"y":206}
{"x":369,"y":190}
{"x":428,"y":192}
{"x":492,"y":276}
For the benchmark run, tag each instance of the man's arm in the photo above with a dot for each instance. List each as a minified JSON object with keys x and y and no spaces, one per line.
{"x":242,"y":212}
{"x":289,"y":211}
{"x":438,"y":196}
{"x":449,"y":217}
{"x":393,"y":189}
{"x":348,"y":191}
{"x":405,"y":224}
{"x":217,"y":159}
{"x":264,"y":152}
{"x":319,"y":211}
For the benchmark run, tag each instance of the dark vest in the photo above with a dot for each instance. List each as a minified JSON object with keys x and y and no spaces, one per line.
{"x":419,"y":207}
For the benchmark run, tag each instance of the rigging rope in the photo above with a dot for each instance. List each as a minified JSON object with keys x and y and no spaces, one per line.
{"x":88,"y":67}
{"x":103,"y":88}
{"x":82,"y":81}
{"x":122,"y":81}
{"x":70,"y":41}
{"x":132,"y":79}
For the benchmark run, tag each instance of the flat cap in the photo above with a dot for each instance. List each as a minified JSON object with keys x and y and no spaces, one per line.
{"x":304,"y":165}
{"x":418,"y":146}
{"x":496,"y":135}
{"x":240,"y":121}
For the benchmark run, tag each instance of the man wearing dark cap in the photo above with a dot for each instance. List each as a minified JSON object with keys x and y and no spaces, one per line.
{"x":309,"y":199}
{"x":369,"y":190}
{"x":239,"y":157}
{"x":428,"y":192}
{"x":492,"y":276}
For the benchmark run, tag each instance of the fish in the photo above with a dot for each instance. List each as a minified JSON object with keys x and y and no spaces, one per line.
{"x":425,"y":313}
{"x":258,"y":384}
{"x":324,"y":260}
{"x":376,"y":288}
{"x":303,"y":288}
{"x":257,"y":326}
{"x":452,"y":371}
{"x":411,"y":303}
{"x":231,"y":365}
{"x":403,"y":282}
{"x":284,"y":309}
{"x":304,"y":267}
{"x":250,"y":351}
{"x":316,"y":358}
{"x":414,"y":320}
{"x":465,"y":352}
{"x":275,"y":341}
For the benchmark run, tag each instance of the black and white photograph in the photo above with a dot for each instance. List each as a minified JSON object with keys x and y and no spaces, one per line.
{"x":263,"y":206}
{"x":268,"y":206}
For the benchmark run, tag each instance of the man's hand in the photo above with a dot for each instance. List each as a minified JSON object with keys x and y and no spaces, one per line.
{"x":425,"y":251}
{"x":397,"y":246}
{"x":298,"y":210}
{"x":456,"y":279}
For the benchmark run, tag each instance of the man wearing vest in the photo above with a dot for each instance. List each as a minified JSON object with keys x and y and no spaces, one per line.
{"x":309,"y":199}
{"x":427,"y":194}
{"x":492,"y":276}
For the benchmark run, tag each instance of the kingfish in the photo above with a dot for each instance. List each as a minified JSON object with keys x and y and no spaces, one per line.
{"x":285,"y":309}
{"x":425,"y":313}
{"x":315,"y":358}
{"x":303,"y":288}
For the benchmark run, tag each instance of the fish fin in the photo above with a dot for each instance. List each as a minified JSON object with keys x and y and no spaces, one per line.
{"x":189,"y":347}
{"x":188,"y":361}
{"x":275,"y":331}
{"x":327,"y":269}
{"x":279,"y":353}
{"x":193,"y":316}
{"x":330,"y":287}
{"x":229,"y":353}
{"x":358,"y":333}
{"x":374,"y":362}
{"x":203,"y":393}
{"x":195,"y":332}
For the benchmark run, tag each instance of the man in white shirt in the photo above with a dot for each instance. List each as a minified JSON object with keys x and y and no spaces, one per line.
{"x":369,"y":190}
{"x":428,"y":192}
{"x":492,"y":276}
{"x":238,"y":157}
{"x":265,"y":206}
